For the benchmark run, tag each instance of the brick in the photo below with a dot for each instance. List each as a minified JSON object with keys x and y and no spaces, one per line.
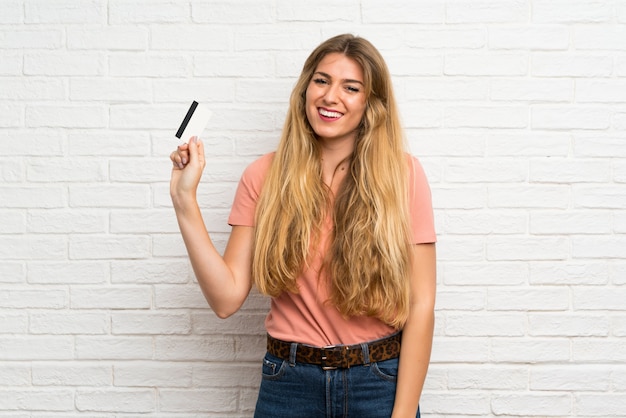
{"x":618,"y":329}
{"x":110,"y":90}
{"x":481,"y":274}
{"x":579,"y":222}
{"x":113,"y":38}
{"x":569,"y":273}
{"x":481,"y":378}
{"x":15,"y":374}
{"x":84,"y":116}
{"x":619,"y":121}
{"x":11,"y":116}
{"x":458,"y":145}
{"x":604,"y":298}
{"x":187,"y":38}
{"x":529,"y":405}
{"x":238,"y":65}
{"x":455,"y":38}
{"x":485,"y":170}
{"x":600,"y":37}
{"x":571,"y":11}
{"x":486,"y":116}
{"x":593,"y":349}
{"x":531,"y":37}
{"x":12,"y":171}
{"x":527,"y":248}
{"x":250,"y":347}
{"x":270,"y":40}
{"x":150,"y":65}
{"x":192,"y":348}
{"x":33,"y":247}
{"x":570,"y":117}
{"x":460,"y":300}
{"x":34,"y":298}
{"x":12,"y":272}
{"x":11,"y":64}
{"x":119,"y":297}
{"x":39,"y":89}
{"x":529,"y":196}
{"x":53,"y":221}
{"x":269,"y":92}
{"x":55,"y":272}
{"x":619,"y":172}
{"x":242,"y":323}
{"x":530,"y":299}
{"x":460,"y":248}
{"x":65,"y":11}
{"x":230,"y":375}
{"x":215,"y":400}
{"x":116,"y":400}
{"x":151,"y":271}
{"x":453,"y":90}
{"x":138,"y":323}
{"x":11,"y":11}
{"x":598,"y":246}
{"x":57,"y":400}
{"x":98,"y":247}
{"x":288,"y":11}
{"x":181,"y":297}
{"x":486,"y":64}
{"x":31,"y":39}
{"x":460,"y":349}
{"x":430,"y":115}
{"x":63,"y":374}
{"x":525,"y":351}
{"x":64,"y":64}
{"x":568,"y":325}
{"x":457,"y":404}
{"x":598,"y":405}
{"x":124,"y":116}
{"x":600,"y":196}
{"x":204,"y":91}
{"x":57,"y":170}
{"x":567,"y":378}
{"x":400,"y":64}
{"x":99,"y":144}
{"x":610,"y":145}
{"x":12,"y":222}
{"x":68,"y":323}
{"x":16,"y":323}
{"x":485,"y":325}
{"x":143,"y":222}
{"x":113,"y":348}
{"x":616,"y":273}
{"x":148,"y":11}
{"x":532,"y":90}
{"x":34,"y":143}
{"x":223,"y":12}
{"x":487,"y":11}
{"x":155,"y":374}
{"x":555,"y":64}
{"x":556,"y":170}
{"x":542,"y":144}
{"x":32,"y":348}
{"x":600,"y":91}
{"x":620,"y":64}
{"x":482,"y":222}
{"x":109,"y":195}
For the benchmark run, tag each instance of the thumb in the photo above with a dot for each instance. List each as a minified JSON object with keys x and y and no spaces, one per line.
{"x":196,"y":151}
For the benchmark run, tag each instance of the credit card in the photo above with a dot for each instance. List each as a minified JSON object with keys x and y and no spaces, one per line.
{"x":194,"y":122}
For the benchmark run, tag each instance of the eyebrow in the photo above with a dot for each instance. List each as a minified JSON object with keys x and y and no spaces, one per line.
{"x":347,"y":80}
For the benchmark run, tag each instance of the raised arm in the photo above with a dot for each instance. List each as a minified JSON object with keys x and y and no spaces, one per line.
{"x":225,"y":281}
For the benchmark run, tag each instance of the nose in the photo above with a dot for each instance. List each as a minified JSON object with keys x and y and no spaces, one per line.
{"x":332,"y":94}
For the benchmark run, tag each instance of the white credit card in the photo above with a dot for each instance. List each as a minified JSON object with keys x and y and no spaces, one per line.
{"x":194,"y":122}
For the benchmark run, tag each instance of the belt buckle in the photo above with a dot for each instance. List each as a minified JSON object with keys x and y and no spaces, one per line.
{"x":330,"y":348}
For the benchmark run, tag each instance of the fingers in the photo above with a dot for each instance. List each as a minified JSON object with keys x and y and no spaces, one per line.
{"x":180,"y":157}
{"x":187,"y":152}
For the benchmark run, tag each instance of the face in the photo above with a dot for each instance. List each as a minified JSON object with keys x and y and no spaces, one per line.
{"x":335,"y":99}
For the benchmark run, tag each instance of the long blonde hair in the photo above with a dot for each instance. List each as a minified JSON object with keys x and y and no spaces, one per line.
{"x":368,"y":262}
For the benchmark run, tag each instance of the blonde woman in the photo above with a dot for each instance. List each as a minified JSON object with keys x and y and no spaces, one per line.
{"x":336,"y":226}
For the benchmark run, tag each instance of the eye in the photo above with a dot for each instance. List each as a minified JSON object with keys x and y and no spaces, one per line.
{"x":353,"y":89}
{"x":320,"y":81}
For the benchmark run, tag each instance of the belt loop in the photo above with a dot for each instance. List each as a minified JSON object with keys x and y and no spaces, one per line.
{"x":292,"y":354}
{"x":365,"y":349}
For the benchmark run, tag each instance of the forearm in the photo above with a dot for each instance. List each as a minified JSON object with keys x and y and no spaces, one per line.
{"x":417,"y":340}
{"x":224,"y":290}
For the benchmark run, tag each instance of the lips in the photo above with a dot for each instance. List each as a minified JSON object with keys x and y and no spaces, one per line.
{"x":329,"y":114}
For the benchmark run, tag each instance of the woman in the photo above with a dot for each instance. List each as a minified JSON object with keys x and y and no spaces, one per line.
{"x":337,"y":227}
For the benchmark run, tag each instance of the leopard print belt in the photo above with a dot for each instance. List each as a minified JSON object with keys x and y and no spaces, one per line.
{"x":337,"y":356}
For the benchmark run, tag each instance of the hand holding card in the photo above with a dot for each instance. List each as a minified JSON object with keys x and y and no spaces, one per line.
{"x":194,"y":122}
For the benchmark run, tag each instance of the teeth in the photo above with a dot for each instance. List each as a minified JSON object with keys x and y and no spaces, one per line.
{"x":330,"y":114}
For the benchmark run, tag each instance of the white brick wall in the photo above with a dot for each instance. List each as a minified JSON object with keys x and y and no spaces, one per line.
{"x":517,"y":109}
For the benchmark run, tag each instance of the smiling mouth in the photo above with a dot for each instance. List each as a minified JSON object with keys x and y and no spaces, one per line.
{"x":329,"y":114}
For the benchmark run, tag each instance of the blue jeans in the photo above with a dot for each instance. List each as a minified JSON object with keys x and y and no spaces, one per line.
{"x":298,"y":390}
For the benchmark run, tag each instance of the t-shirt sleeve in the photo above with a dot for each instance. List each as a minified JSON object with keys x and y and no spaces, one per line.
{"x":248,"y":191}
{"x":420,"y":205}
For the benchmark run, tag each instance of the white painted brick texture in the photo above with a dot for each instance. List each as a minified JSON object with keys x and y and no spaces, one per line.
{"x":516,"y":108}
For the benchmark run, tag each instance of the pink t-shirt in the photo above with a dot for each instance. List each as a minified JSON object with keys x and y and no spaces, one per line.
{"x":307,"y":317}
